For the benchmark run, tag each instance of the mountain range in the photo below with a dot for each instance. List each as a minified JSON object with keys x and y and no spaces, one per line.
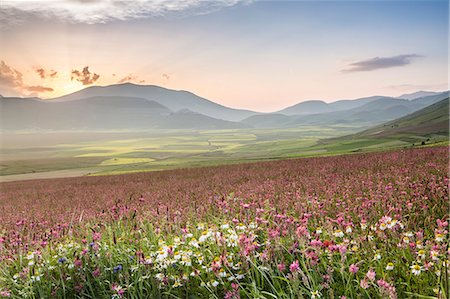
{"x":364,"y":112}
{"x":427,"y":122}
{"x":139,"y":107}
{"x":174,"y":100}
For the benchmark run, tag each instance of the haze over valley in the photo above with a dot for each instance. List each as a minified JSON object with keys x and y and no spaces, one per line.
{"x":129,"y":127}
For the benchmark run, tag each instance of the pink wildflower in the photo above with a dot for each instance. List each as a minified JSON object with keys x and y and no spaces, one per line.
{"x":96,"y":272}
{"x":281,"y":267}
{"x":364,"y":284}
{"x":387,"y":290}
{"x":294,"y":267}
{"x":353,"y":268}
{"x":96,"y":236}
{"x":371,"y":275}
{"x":5,"y":293}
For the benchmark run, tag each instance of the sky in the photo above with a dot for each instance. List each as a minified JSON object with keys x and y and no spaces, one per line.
{"x":258,"y":55}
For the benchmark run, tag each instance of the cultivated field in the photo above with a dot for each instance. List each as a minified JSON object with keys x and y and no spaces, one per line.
{"x":371,"y":225}
{"x":63,"y":154}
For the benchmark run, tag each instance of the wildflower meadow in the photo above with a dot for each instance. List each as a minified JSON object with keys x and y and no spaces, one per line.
{"x":357,"y":226}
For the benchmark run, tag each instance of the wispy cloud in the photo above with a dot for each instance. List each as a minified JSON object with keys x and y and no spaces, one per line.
{"x":84,"y":76}
{"x":377,"y":63}
{"x":44,"y":74}
{"x":11,"y":82}
{"x":103,"y":11}
{"x":38,"y":89}
{"x":130,"y":78}
{"x":10,"y":77}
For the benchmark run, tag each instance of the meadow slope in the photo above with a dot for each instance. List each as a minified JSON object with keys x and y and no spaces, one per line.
{"x":369,"y":225}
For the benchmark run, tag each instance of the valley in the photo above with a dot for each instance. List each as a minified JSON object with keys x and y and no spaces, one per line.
{"x":127,"y":128}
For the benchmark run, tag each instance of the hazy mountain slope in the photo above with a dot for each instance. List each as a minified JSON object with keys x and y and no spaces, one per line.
{"x":100,"y":113}
{"x":173,"y":99}
{"x":316,"y":106}
{"x":93,"y":113}
{"x":426,"y":126}
{"x":306,"y":107}
{"x":186,"y":119}
{"x":369,"y":111}
{"x":350,"y":104}
{"x":268,"y":120}
{"x":381,"y":103}
{"x":417,"y":94}
{"x":82,"y":111}
{"x":433,"y":119}
{"x":375,"y":110}
{"x":428,"y":100}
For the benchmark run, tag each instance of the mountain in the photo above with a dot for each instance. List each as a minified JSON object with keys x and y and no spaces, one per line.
{"x":306,"y":107}
{"x":433,"y":119}
{"x":428,"y":100}
{"x":101,"y":113}
{"x":417,"y":94}
{"x":317,"y":106}
{"x":371,"y":112}
{"x":130,"y":107}
{"x":173,"y":99}
{"x":429,"y":125}
{"x":186,"y":119}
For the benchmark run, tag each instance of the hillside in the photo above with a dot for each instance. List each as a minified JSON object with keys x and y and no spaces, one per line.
{"x":417,"y":94}
{"x":173,"y":99}
{"x":425,"y":126}
{"x":101,"y":113}
{"x":368,"y":112}
{"x":317,"y":106}
{"x":433,"y":119}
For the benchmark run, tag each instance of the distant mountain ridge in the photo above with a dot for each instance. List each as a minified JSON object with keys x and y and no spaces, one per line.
{"x":173,"y":99}
{"x":319,"y":106}
{"x":418,"y":94}
{"x":101,"y":113}
{"x":368,"y":112}
{"x":428,"y":121}
{"x":433,"y":119}
{"x":130,"y":107}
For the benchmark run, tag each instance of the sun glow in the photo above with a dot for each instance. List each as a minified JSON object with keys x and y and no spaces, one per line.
{"x":66,"y":88}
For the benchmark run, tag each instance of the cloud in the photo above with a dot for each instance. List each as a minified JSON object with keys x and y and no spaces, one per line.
{"x":38,"y":89}
{"x":11,"y":82}
{"x":10,"y":77}
{"x":166,"y":76}
{"x":84,"y":76}
{"x":103,"y":11}
{"x":44,"y":74}
{"x":130,"y":78}
{"x":380,"y":63}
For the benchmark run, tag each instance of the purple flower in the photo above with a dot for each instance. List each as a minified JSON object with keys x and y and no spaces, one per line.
{"x":117,"y":268}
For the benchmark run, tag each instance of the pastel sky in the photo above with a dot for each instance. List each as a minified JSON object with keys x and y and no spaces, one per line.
{"x":259,"y":55}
